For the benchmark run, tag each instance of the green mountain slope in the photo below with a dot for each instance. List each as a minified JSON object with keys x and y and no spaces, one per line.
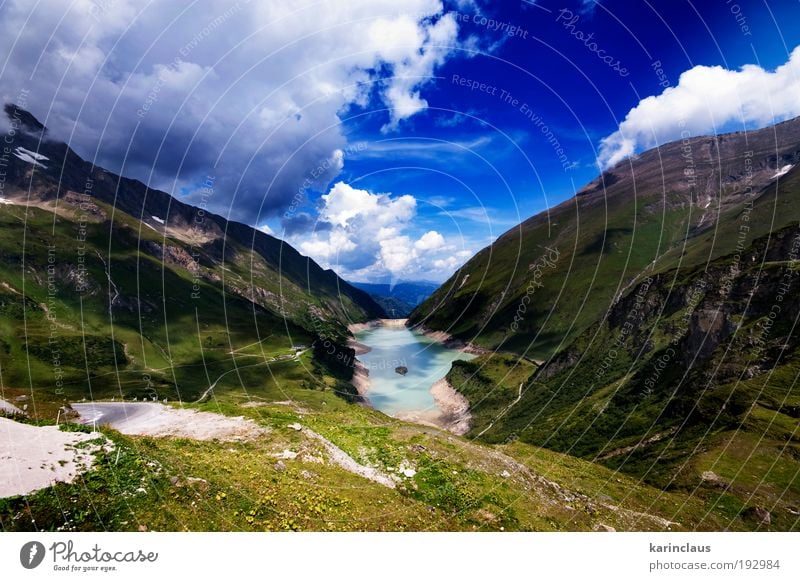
{"x":542,"y":283}
{"x":101,"y":299}
{"x":677,"y":367}
{"x":180,"y":484}
{"x":694,"y":372}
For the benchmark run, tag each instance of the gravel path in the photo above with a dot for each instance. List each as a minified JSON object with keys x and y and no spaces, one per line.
{"x":339,"y":457}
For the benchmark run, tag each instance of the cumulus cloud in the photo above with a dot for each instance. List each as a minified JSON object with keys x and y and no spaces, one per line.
{"x":371,"y":236}
{"x":247,"y":92}
{"x":707,"y":100}
{"x":430,"y":241}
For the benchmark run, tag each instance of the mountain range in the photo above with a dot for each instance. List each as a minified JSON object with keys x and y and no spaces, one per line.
{"x":399,"y":299}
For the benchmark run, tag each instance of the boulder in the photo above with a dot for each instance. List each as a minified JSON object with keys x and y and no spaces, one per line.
{"x":759,"y":514}
{"x":603,"y":528}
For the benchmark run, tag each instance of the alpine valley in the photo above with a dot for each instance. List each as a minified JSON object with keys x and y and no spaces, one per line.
{"x":635,"y":369}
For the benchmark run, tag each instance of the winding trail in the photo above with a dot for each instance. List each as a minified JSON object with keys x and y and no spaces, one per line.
{"x":286,"y":357}
{"x":504,"y":412}
{"x":346,"y":462}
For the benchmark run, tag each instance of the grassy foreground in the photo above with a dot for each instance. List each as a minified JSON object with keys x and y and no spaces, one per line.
{"x":450,"y":483}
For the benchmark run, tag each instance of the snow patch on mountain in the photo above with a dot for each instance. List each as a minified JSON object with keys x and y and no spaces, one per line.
{"x":31,"y":156}
{"x":782,"y":172}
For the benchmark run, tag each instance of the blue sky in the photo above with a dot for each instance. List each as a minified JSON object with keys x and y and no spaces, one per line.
{"x":393,"y":139}
{"x":476,"y":160}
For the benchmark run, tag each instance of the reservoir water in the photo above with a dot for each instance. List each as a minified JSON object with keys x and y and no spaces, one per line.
{"x":393,"y":346}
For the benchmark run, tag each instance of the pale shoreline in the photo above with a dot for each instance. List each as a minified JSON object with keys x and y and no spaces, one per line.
{"x":449,"y":341}
{"x":361,"y":381}
{"x":358,"y":327}
{"x":451,"y":412}
{"x":452,"y":409}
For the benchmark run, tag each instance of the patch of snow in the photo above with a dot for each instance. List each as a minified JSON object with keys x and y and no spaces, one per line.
{"x":9,"y":408}
{"x":4,"y":201}
{"x":36,"y":457}
{"x":155,"y":419}
{"x":464,"y":280}
{"x":157,"y":219}
{"x":33,"y":154}
{"x":406,"y":469}
{"x":29,"y":156}
{"x":782,"y":172}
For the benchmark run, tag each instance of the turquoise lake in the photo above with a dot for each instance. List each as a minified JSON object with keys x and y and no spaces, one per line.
{"x":427,"y":361}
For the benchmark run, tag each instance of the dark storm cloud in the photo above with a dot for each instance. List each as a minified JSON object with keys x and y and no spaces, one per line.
{"x":248,"y":92}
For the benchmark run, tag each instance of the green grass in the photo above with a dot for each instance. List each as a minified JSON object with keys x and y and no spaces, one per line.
{"x":491,"y":383}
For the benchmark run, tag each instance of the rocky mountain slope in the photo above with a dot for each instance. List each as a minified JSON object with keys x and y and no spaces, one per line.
{"x":545,"y":281}
{"x":110,"y":288}
{"x":664,"y":313}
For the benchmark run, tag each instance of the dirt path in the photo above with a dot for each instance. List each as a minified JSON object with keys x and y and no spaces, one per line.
{"x":339,"y":457}
{"x":504,"y":412}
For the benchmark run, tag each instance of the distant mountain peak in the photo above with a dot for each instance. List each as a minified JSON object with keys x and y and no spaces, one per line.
{"x":26,"y":120}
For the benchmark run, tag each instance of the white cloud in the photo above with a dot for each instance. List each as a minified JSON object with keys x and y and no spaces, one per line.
{"x":372,"y":236}
{"x":396,"y":254}
{"x":343,"y":204}
{"x":430,"y":241}
{"x":451,"y":263}
{"x":707,"y":100}
{"x":250,"y":91}
{"x":441,"y":201}
{"x":431,"y":46}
